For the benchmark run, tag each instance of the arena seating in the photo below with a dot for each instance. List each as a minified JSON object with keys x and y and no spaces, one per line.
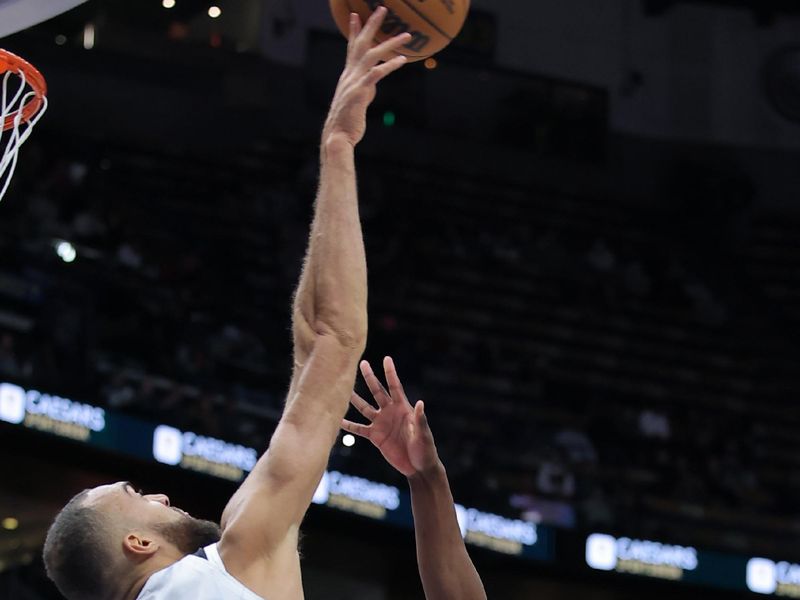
{"x":579,"y":356}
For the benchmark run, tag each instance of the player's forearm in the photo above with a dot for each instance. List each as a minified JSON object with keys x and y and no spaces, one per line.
{"x":445,"y":567}
{"x":329,"y":316}
{"x":329,"y":330}
{"x":331,"y":298}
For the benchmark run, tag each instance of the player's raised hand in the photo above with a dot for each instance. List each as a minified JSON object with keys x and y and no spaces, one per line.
{"x":398,"y":429}
{"x":367,"y":63}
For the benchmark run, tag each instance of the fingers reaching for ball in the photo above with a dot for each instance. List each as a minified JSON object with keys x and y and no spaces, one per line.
{"x":362,"y":37}
{"x":432,"y":25}
{"x":388,"y":49}
{"x":362,"y":44}
{"x":370,"y":29}
{"x":368,"y":62}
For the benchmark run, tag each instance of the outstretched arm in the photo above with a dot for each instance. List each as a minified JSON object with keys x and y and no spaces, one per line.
{"x":261,"y":522}
{"x":402,"y":434}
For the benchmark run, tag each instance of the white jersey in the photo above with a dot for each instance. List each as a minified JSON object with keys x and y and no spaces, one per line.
{"x":196,"y":578}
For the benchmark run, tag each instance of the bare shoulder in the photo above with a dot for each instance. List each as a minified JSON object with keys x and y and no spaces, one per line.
{"x":273,"y":577}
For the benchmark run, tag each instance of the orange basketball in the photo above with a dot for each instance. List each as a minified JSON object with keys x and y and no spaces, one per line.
{"x":433,"y":24}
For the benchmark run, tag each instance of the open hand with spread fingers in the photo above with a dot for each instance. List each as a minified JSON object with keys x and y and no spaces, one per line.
{"x":367,"y":63}
{"x":398,"y":429}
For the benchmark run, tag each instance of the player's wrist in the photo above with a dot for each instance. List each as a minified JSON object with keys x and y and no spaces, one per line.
{"x":336,"y":141}
{"x":429,"y":474}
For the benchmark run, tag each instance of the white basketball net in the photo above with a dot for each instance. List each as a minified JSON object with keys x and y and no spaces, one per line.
{"x":16,"y":93}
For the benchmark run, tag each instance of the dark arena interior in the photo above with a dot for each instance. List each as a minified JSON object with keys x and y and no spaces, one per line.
{"x":582,"y":226}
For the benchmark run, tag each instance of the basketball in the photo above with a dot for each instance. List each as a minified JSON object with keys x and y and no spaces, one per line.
{"x":433,"y":24}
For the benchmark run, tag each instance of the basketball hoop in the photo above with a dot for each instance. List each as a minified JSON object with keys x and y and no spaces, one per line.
{"x":23,"y":101}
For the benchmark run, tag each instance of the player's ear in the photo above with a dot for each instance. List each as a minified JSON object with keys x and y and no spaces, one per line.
{"x":137,"y":545}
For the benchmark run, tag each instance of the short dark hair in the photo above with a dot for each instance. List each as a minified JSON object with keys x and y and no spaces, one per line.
{"x":76,"y":551}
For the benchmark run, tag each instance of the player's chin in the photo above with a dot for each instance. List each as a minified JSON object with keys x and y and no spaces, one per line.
{"x":180,"y":512}
{"x":188,"y":534}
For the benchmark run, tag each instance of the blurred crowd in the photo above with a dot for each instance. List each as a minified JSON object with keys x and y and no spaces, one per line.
{"x":585,"y":363}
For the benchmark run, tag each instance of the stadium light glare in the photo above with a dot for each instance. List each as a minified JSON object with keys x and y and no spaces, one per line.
{"x":349,"y":440}
{"x":88,"y":36}
{"x":66,"y":252}
{"x":168,"y":3}
{"x":10,"y":523}
{"x":214,"y":12}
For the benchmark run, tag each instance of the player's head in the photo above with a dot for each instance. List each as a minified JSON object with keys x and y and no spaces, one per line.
{"x":106,"y":534}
